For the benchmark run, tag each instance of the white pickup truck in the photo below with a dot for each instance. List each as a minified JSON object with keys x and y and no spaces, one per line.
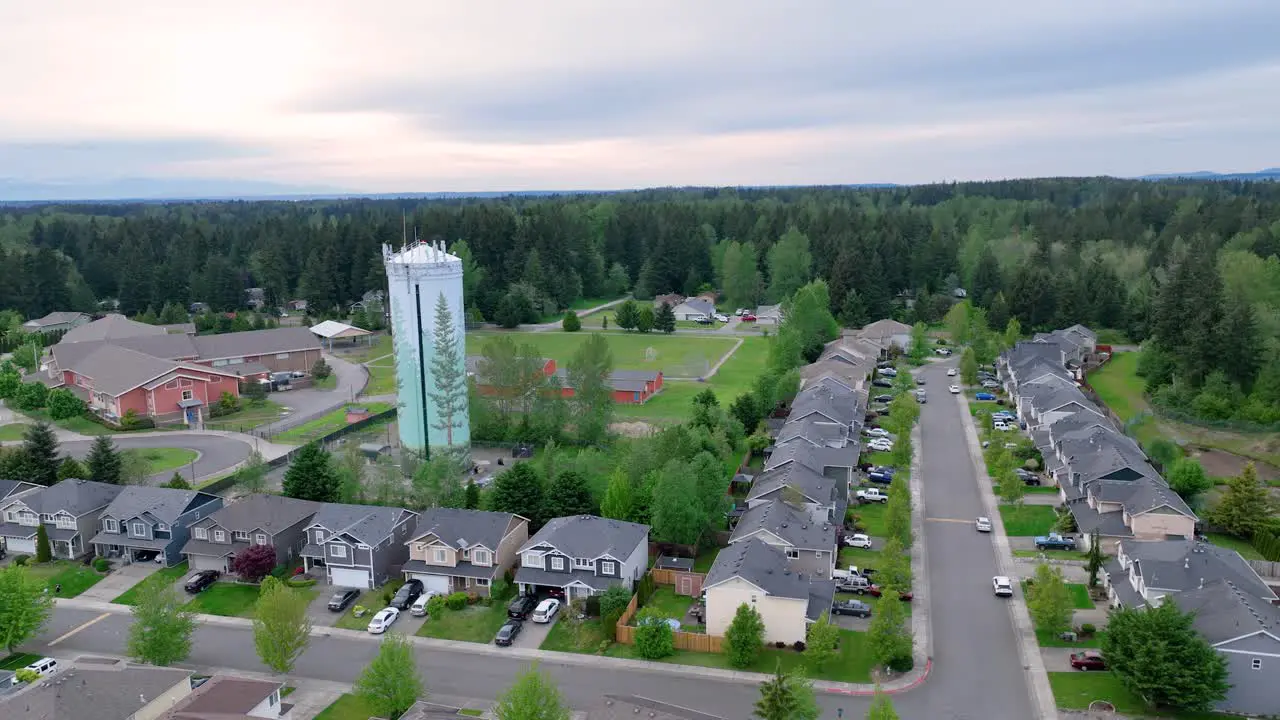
{"x":853,"y":571}
{"x":868,"y":495}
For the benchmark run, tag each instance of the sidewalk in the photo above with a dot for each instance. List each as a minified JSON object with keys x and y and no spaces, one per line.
{"x":899,"y":684}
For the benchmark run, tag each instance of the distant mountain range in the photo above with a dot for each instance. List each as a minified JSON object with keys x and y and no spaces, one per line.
{"x":1268,"y":174}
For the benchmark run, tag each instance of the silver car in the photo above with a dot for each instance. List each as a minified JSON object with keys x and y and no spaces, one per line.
{"x":983,"y":524}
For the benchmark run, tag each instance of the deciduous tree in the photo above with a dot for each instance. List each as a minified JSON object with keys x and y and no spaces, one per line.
{"x":254,"y":562}
{"x":161,"y":629}
{"x":1157,"y":654}
{"x":1188,"y":479}
{"x":281,"y":626}
{"x":592,"y":402}
{"x":533,"y":696}
{"x":968,"y":367}
{"x":627,"y":314}
{"x":887,"y":636}
{"x":820,"y":643}
{"x":653,"y":636}
{"x":881,"y":707}
{"x":571,"y":322}
{"x":390,"y":683}
{"x":744,"y":638}
{"x":25,"y":605}
{"x":1048,"y":600}
{"x":617,"y":497}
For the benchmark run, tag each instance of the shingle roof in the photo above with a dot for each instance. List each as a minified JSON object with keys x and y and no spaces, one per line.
{"x":270,"y":513}
{"x":1182,"y":565}
{"x":624,"y":380}
{"x":111,"y":691}
{"x":55,"y":318}
{"x":802,"y":478}
{"x":163,"y":504}
{"x":792,"y":525}
{"x":885,"y":328}
{"x":822,"y":595}
{"x":828,"y":398}
{"x":795,"y":453}
{"x":222,"y":697}
{"x":629,"y":707}
{"x":815,"y":430}
{"x":12,"y":488}
{"x":75,"y":496}
{"x":1224,"y":612}
{"x":706,"y":307}
{"x":588,"y":536}
{"x":761,"y":565}
{"x":369,"y":524}
{"x":460,"y":528}
{"x":110,"y":327}
{"x":256,"y":342}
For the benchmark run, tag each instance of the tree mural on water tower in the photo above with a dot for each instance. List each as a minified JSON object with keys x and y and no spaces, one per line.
{"x":448,"y":379}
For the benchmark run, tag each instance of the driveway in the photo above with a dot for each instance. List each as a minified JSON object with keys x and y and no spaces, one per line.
{"x":532,"y":634}
{"x":115,"y":584}
{"x":310,"y":403}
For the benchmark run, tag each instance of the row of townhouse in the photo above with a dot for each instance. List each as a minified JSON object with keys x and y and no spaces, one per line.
{"x":783,"y":550}
{"x":1107,"y":483}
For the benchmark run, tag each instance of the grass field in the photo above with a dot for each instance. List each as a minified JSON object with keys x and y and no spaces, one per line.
{"x":1075,"y":690}
{"x":165,"y":459}
{"x":382,"y":377}
{"x":226,"y":599}
{"x":731,"y":380}
{"x":674,"y":355}
{"x":250,"y":415}
{"x":1247,"y":551}
{"x":1080,"y":596}
{"x":1027,"y":520}
{"x":1119,"y":386}
{"x":324,"y":424}
{"x":872,"y":518}
{"x":474,"y":623}
{"x":18,"y":660}
{"x":72,"y":576}
{"x":12,"y":431}
{"x":1051,"y":554}
{"x":364,"y":353}
{"x":154,"y":582}
{"x":347,"y":707}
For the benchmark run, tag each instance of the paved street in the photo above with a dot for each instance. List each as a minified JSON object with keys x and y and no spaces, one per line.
{"x":310,"y":403}
{"x":217,"y":453}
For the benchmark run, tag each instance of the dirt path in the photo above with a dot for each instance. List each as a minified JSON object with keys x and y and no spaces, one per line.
{"x":555,"y":324}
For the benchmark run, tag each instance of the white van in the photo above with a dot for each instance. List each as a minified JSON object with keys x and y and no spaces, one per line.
{"x":419,"y":606}
{"x":44,"y":667}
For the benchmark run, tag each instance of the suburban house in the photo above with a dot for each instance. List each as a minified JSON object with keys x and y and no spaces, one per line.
{"x":830,"y":448}
{"x":630,"y":707}
{"x":757,"y":574}
{"x":69,"y":511}
{"x":1143,"y":572}
{"x":630,"y":387}
{"x":851,"y":375}
{"x":823,"y":497}
{"x":56,"y":322}
{"x":99,"y":689}
{"x":251,"y":520}
{"x":768,"y":315}
{"x":457,"y":550}
{"x":10,"y":489}
{"x":830,"y":401}
{"x":145,"y":523}
{"x":112,"y":326}
{"x":223,"y":697}
{"x":672,"y":299}
{"x":297,"y":305}
{"x":1246,"y":631}
{"x":357,"y":546}
{"x":810,"y":546}
{"x":889,"y":333}
{"x":583,"y":555}
{"x":695,"y":308}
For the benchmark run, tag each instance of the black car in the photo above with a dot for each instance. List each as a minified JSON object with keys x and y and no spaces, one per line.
{"x":883,"y":398}
{"x":882,"y":383}
{"x":879,"y":477}
{"x":508,"y":632}
{"x":851,"y":607}
{"x":342,"y":598}
{"x":521,"y":607}
{"x":407,"y":593}
{"x":201,"y":580}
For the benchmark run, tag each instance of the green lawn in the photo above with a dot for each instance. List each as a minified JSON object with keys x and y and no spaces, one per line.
{"x":852,"y":663}
{"x":1231,"y":542}
{"x":382,"y":378}
{"x":1080,"y":596}
{"x":325,"y":424}
{"x":872,"y":518}
{"x":13,"y":431}
{"x":731,"y":380}
{"x":857,"y":556}
{"x":18,"y":660}
{"x":705,"y":560}
{"x":665,"y":600}
{"x":576,"y":637}
{"x":1119,"y":386}
{"x":674,"y":355}
{"x":1075,"y":690}
{"x":81,"y":425}
{"x":226,"y":599}
{"x":1042,"y":490}
{"x":326,"y":383}
{"x":1027,"y":520}
{"x":154,"y":582}
{"x":362,"y":353}
{"x":165,"y":459}
{"x":250,"y":415}
{"x":1052,"y":554}
{"x":347,"y":707}
{"x":373,"y":600}
{"x":72,"y":576}
{"x":475,"y":623}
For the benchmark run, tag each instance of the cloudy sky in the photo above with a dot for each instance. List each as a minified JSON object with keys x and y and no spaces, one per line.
{"x":427,"y":95}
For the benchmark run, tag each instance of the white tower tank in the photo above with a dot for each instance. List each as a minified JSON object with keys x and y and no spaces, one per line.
{"x":432,"y":406}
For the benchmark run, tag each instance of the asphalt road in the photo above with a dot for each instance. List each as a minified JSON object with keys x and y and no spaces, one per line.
{"x":977,"y":672}
{"x":310,"y":403}
{"x":217,"y":453}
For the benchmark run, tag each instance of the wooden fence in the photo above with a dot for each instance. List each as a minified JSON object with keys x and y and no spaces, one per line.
{"x":683,"y":581}
{"x":697,"y":642}
{"x":1262,"y":567}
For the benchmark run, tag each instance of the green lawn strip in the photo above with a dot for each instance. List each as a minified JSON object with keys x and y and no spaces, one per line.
{"x":382,"y":379}
{"x":857,"y":556}
{"x":674,"y":355}
{"x":1119,"y":386}
{"x":1049,"y":640}
{"x":18,"y":660}
{"x":872,"y":518}
{"x":705,"y":559}
{"x":471,"y":712}
{"x":81,"y":425}
{"x":852,"y":663}
{"x":1073,"y":690}
{"x":164,"y":459}
{"x":373,"y":600}
{"x":1080,"y":596}
{"x":250,"y":415}
{"x":1027,"y":520}
{"x":666,"y":601}
{"x":226,"y":599}
{"x":327,"y":383}
{"x":1052,"y":554}
{"x":325,"y":424}
{"x":474,"y":623}
{"x":347,"y":707}
{"x":1231,"y":542}
{"x":1042,"y":490}
{"x":72,"y":576}
{"x":154,"y":582}
{"x":11,"y":432}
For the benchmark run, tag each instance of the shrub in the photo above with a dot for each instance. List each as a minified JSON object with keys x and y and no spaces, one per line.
{"x":101,"y":564}
{"x":591,"y":608}
{"x":798,"y":646}
{"x":456,"y":601}
{"x":24,"y":675}
{"x":780,"y":644}
{"x":1088,"y":629}
{"x":653,"y":636}
{"x":21,"y":559}
{"x":300,"y":582}
{"x":436,"y":605}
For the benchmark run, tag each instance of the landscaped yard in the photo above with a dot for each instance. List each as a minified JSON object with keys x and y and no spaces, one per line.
{"x":12,"y":431}
{"x":1075,"y":690}
{"x":72,"y":576}
{"x":666,"y":601}
{"x":347,"y":707}
{"x":1027,"y":520}
{"x":226,"y":599}
{"x":1119,"y":386}
{"x":474,"y":623}
{"x":857,"y":556}
{"x":371,"y":600}
{"x":250,"y":415}
{"x":154,"y":582}
{"x":1080,"y":596}
{"x":872,"y":518}
{"x":853,"y":662}
{"x":18,"y":660}
{"x":325,"y":424}
{"x":165,"y":459}
{"x":674,"y":355}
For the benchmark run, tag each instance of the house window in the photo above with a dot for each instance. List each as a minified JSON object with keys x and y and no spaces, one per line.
{"x":200,"y":533}
{"x":187,"y":394}
{"x":162,"y":527}
{"x":532,"y":560}
{"x":793,"y":554}
{"x":609,"y":567}
{"x":584,"y":563}
{"x":282,"y":356}
{"x":46,"y":517}
{"x":480,"y":557}
{"x":557,"y":563}
{"x":137,"y":529}
{"x":319,"y":536}
{"x":110,"y":525}
{"x":241,"y":535}
{"x":482,"y":582}
{"x":219,"y":536}
{"x":1257,"y":663}
{"x":441,"y":556}
{"x":66,"y":521}
{"x":260,"y":538}
{"x":338,"y":550}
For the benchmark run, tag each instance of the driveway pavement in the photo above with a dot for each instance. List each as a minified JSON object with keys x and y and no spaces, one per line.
{"x":310,"y":403}
{"x":532,"y":634}
{"x":120,"y":580}
{"x":1058,"y":659}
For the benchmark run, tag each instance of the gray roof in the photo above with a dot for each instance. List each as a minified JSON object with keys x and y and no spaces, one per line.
{"x":624,"y":380}
{"x":110,"y":327}
{"x":885,"y":328}
{"x":822,"y":594}
{"x":816,"y":431}
{"x":798,"y":453}
{"x":369,"y":524}
{"x":10,"y":489}
{"x":1118,"y":580}
{"x":423,"y":710}
{"x":539,"y":576}
{"x":828,"y":398}
{"x":116,"y":370}
{"x":110,"y":691}
{"x":75,"y":496}
{"x":762,"y":565}
{"x":162,"y":504}
{"x":222,"y":697}
{"x":460,"y":528}
{"x":1224,"y":612}
{"x":803,"y":479}
{"x":256,"y":342}
{"x":269,"y":513}
{"x":1108,"y":524}
{"x":14,"y":530}
{"x":706,"y":307}
{"x":792,"y":525}
{"x":462,"y":569}
{"x":629,"y":707}
{"x":1181,"y":565}
{"x":588,"y":536}
{"x":849,"y":374}
{"x":55,"y":318}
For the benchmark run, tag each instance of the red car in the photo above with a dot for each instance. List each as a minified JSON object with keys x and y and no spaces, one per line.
{"x":748,"y":318}
{"x":1088,"y":660}
{"x":874,"y":591}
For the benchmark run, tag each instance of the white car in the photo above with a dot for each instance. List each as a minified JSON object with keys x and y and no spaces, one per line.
{"x":880,"y":445}
{"x":546,"y":610}
{"x":955,"y":389}
{"x":44,"y":667}
{"x":721,"y":317}
{"x":877,"y":432}
{"x":419,"y":607}
{"x":888,"y":372}
{"x":983,"y":524}
{"x":951,"y":372}
{"x":383,"y":620}
{"x":1002,"y":585}
{"x":858,"y":541}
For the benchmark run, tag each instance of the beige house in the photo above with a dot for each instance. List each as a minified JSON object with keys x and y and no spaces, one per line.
{"x":888,"y":332}
{"x":457,"y":550}
{"x":809,"y":545}
{"x":755,"y":573}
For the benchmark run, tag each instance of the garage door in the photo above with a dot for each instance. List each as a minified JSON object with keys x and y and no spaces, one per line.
{"x":347,"y":577}
{"x":17,"y":545}
{"x":438,"y":583}
{"x":207,"y":562}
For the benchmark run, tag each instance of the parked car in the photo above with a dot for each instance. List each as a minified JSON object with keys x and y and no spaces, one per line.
{"x":748,"y":317}
{"x":854,"y":584}
{"x":879,"y":382}
{"x":1002,"y":586}
{"x":880,"y":445}
{"x":721,"y":317}
{"x":889,"y":372}
{"x":44,"y":667}
{"x":546,"y":610}
{"x":879,"y":477}
{"x":883,"y":398}
{"x":419,"y":606}
{"x":851,"y":607}
{"x":407,"y":593}
{"x":383,"y":620}
{"x":201,"y":581}
{"x":954,"y":389}
{"x":704,"y":320}
{"x":951,"y":372}
{"x":875,"y":591}
{"x":984,"y":396}
{"x":870,"y":495}
{"x":342,"y":598}
{"x":990,"y":384}
{"x":1054,"y":541}
{"x":875,"y":432}
{"x":740,"y":312}
{"x":858,"y":540}
{"x":983,"y":524}
{"x":522,"y":606}
{"x":508,"y":632}
{"x":920,"y":380}
{"x":944,"y":352}
{"x":1087,"y":660}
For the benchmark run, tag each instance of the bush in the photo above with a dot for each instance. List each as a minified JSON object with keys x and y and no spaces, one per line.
{"x":101,"y":564}
{"x":591,"y":608}
{"x":472,"y":597}
{"x":653,"y":636}
{"x":24,"y":675}
{"x":799,"y":646}
{"x":456,"y":601}
{"x":780,"y":644}
{"x":1088,"y":629}
{"x":300,"y":582}
{"x":436,"y":605}
{"x":21,"y":559}
{"x":571,"y":323}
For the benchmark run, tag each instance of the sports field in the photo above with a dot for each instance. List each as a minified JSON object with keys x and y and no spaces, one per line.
{"x":677,"y":356}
